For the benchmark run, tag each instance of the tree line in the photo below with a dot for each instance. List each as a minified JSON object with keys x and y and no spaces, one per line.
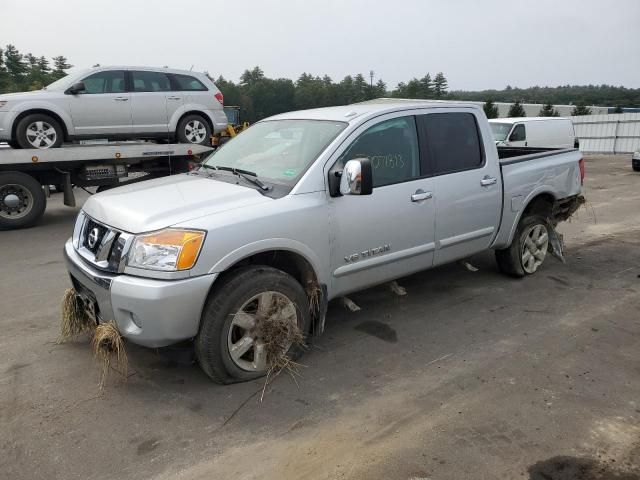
{"x":260,"y":96}
{"x":547,"y":110}
{"x":600,"y":95}
{"x":21,"y":72}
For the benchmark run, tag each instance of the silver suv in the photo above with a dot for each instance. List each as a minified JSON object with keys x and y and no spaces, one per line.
{"x":114,"y":103}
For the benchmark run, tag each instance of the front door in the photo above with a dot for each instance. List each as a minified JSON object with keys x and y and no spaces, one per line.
{"x":468,"y":187}
{"x":389,"y":233}
{"x":103,"y":107}
{"x":518,"y":136}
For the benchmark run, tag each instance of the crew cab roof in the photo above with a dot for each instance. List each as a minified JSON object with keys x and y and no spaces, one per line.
{"x":370,"y":108}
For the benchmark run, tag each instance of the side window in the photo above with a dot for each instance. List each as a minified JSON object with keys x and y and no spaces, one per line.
{"x":392,"y":147}
{"x":150,"y":81}
{"x":518,"y":134}
{"x":453,"y":142}
{"x":188,"y":83}
{"x":111,"y":81}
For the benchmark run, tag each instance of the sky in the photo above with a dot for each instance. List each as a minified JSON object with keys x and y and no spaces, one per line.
{"x":477,"y":44}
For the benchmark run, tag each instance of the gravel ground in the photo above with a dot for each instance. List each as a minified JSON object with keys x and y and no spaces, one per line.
{"x":471,"y":375}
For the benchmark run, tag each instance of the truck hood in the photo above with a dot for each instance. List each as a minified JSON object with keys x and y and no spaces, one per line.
{"x":160,"y":203}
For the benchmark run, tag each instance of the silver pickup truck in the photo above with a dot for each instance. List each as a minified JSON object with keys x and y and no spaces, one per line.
{"x":308,"y":206}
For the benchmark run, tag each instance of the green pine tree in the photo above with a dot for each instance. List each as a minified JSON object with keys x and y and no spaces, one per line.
{"x":548,"y":111}
{"x":516,"y":110}
{"x":579,"y":110}
{"x":59,"y":66}
{"x":490,"y":109}
{"x":16,"y":68}
{"x":440,"y":85}
{"x":426,"y":86}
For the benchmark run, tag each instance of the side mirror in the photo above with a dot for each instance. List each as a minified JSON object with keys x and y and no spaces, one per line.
{"x":76,"y":88}
{"x":357,"y":177}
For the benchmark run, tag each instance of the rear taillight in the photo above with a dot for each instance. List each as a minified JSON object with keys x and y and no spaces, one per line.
{"x":220,"y":98}
{"x":581,"y":165}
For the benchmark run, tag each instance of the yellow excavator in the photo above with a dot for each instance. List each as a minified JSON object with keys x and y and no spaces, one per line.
{"x":234,"y":127}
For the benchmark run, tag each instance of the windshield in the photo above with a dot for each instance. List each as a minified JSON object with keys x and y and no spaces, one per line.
{"x":500,"y":130}
{"x":280,"y":150}
{"x":66,"y":81}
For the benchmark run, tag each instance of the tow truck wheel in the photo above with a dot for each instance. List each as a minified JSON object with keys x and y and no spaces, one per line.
{"x":528,"y":249}
{"x":233,"y":344}
{"x":194,"y":129}
{"x":22,"y":200}
{"x":39,"y":131}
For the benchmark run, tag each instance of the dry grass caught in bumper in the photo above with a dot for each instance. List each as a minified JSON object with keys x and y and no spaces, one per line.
{"x":74,"y":319}
{"x":107,"y":345}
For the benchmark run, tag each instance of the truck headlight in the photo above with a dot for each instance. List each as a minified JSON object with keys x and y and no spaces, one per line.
{"x":167,"y":250}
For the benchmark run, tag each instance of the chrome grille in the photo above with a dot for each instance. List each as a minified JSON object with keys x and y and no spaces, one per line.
{"x":101,"y":245}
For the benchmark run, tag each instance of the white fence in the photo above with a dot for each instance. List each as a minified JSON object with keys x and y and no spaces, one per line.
{"x":612,"y":133}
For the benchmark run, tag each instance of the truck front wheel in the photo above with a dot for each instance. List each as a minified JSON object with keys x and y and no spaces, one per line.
{"x":22,"y":200}
{"x":528,"y":249}
{"x":247,"y":322}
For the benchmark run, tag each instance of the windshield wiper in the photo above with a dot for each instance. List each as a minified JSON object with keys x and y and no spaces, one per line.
{"x":245,"y":174}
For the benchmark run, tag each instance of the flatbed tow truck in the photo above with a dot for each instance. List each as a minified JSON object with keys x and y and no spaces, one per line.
{"x":26,"y":175}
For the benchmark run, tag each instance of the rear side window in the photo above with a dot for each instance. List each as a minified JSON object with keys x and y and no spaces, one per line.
{"x":150,"y":81}
{"x":452,"y":142}
{"x":188,"y":83}
{"x":110,"y":81}
{"x":518,"y":134}
{"x":392,"y":147}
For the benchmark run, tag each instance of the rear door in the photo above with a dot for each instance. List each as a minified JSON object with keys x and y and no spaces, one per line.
{"x":518,"y":136}
{"x":104,"y":107}
{"x":150,"y":94}
{"x":389,"y":233}
{"x":467,"y":190}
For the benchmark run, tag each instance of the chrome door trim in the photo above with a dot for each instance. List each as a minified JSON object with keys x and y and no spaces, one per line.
{"x":465,"y":237}
{"x":383,"y":260}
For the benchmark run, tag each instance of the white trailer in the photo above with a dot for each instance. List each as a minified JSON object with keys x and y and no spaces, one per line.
{"x":25,"y":175}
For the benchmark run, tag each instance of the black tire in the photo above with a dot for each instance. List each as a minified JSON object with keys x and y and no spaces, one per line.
{"x":31,"y":200}
{"x":28,"y":121}
{"x":635,"y":169}
{"x":510,"y":259}
{"x":13,"y":144}
{"x":183,"y":135}
{"x":211,"y":346}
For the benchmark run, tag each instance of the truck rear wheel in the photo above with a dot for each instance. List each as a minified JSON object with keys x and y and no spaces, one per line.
{"x":233,"y":344}
{"x":22,"y":200}
{"x":528,"y":249}
{"x":39,"y":131}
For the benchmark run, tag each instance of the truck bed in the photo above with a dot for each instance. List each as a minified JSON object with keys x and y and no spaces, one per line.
{"x":530,"y":172}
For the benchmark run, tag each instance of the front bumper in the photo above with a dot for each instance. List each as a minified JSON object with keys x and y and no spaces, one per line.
{"x":148,"y":312}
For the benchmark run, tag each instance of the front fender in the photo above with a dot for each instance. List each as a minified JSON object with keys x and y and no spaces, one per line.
{"x":265,"y":245}
{"x":26,"y":106}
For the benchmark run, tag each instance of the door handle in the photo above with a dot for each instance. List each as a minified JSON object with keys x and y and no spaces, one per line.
{"x":121,"y":99}
{"x":173,"y":98}
{"x":487,"y":181}
{"x":421,"y":195}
